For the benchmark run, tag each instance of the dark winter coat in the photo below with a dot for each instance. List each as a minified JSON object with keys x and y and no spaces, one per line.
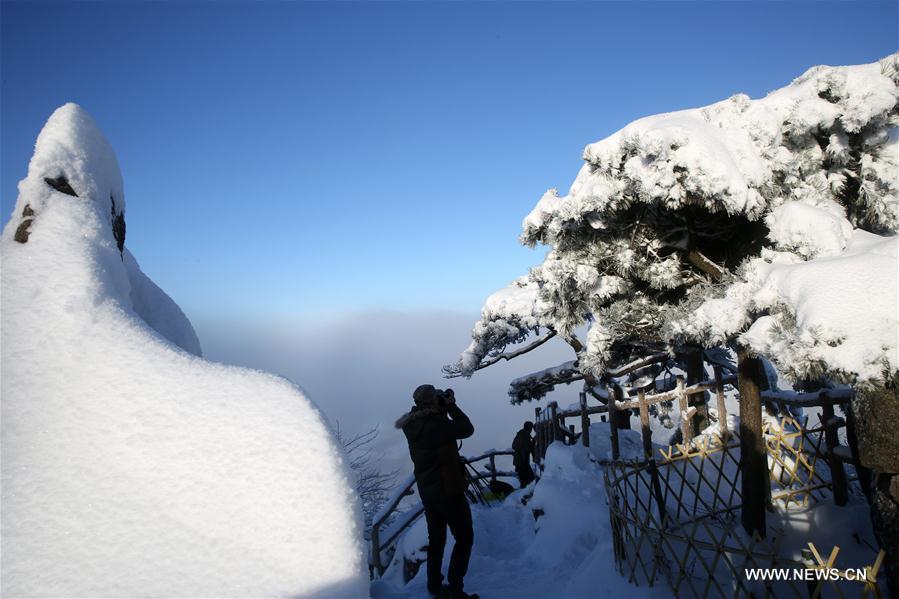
{"x":522,"y":448}
{"x":432,"y":436}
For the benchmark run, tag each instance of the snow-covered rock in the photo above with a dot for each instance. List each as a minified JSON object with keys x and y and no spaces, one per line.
{"x":130,"y":465}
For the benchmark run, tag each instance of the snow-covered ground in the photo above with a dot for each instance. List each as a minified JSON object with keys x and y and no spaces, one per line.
{"x":131,"y":466}
{"x":566,"y":552}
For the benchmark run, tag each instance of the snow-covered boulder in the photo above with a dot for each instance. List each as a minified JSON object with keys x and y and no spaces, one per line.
{"x":130,"y":465}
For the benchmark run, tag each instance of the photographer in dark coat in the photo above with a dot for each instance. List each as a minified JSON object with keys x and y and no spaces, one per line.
{"x":432,"y":428}
{"x":522,"y":450}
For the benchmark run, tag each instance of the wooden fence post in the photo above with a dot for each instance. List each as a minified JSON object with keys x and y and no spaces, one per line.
{"x":722,"y":408}
{"x":753,"y":458}
{"x":696,"y":374}
{"x":585,"y":420}
{"x":613,"y":423}
{"x":837,"y":474}
{"x":492,"y":471}
{"x":376,"y":550}
{"x":647,"y":452}
{"x":553,"y":422}
{"x":539,"y":440}
{"x":686,"y":426}
{"x":644,"y":425}
{"x":624,"y":416}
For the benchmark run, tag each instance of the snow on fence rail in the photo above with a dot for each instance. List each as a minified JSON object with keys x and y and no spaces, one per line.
{"x":390,"y":522}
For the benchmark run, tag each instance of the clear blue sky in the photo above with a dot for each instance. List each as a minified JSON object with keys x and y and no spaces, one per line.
{"x":296,"y":159}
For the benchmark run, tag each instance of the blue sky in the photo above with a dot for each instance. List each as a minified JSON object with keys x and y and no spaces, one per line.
{"x":292,"y":160}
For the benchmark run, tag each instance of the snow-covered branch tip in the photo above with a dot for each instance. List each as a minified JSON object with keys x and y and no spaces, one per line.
{"x":455,"y":370}
{"x":536,"y":385}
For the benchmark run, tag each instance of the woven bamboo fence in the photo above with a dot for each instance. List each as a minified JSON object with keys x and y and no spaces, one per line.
{"x":676,"y":517}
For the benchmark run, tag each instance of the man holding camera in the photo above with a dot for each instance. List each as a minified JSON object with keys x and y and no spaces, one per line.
{"x":432,"y":428}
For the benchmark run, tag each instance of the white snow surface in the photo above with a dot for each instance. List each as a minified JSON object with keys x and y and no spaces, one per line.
{"x":808,"y":230}
{"x":844,"y":306}
{"x":566,"y":552}
{"x":131,"y":466}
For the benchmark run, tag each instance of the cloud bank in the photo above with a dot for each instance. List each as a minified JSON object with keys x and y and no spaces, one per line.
{"x":361,"y":369}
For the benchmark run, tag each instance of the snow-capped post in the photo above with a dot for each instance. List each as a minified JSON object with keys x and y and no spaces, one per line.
{"x":623,"y":417}
{"x":644,"y":425}
{"x":613,"y":421}
{"x":492,"y":471}
{"x":553,"y":422}
{"x":585,"y":419}
{"x":837,"y":474}
{"x":722,"y":407}
{"x":753,"y":458}
{"x":686,"y":426}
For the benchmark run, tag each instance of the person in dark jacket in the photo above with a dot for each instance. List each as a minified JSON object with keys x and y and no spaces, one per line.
{"x":522,"y":450}
{"x":432,"y":428}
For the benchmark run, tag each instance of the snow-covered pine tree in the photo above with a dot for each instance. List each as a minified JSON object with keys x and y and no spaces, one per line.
{"x":677,"y":209}
{"x":763,"y":223}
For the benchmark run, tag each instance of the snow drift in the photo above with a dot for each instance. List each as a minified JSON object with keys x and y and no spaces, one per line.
{"x":130,"y":465}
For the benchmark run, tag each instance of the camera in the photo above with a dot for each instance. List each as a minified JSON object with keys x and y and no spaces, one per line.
{"x":445,"y":398}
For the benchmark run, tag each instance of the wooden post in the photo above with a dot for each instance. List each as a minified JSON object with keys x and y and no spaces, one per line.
{"x":624,"y":416}
{"x":376,"y":549}
{"x":647,"y":452}
{"x":585,"y":420}
{"x":613,"y":423}
{"x":644,"y":425}
{"x":837,"y":474}
{"x":539,"y":440}
{"x":492,"y":471}
{"x":696,"y":374}
{"x":553,"y":422}
{"x":753,"y":458}
{"x":686,"y":426}
{"x":722,"y":408}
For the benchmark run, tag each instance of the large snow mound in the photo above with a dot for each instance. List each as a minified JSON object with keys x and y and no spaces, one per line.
{"x":130,"y":465}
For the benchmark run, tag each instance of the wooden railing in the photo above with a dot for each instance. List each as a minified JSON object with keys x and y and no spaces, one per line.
{"x":550,"y":425}
{"x":646,"y":496}
{"x":402,"y":520}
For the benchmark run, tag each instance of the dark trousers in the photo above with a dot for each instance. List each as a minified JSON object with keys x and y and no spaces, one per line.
{"x":525,"y":474}
{"x":455,"y":513}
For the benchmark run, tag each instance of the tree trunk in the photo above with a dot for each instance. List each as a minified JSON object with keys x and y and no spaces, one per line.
{"x":875,"y":445}
{"x":753,"y":459}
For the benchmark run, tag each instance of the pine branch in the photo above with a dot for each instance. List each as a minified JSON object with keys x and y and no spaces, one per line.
{"x":698,"y":260}
{"x":454,"y":371}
